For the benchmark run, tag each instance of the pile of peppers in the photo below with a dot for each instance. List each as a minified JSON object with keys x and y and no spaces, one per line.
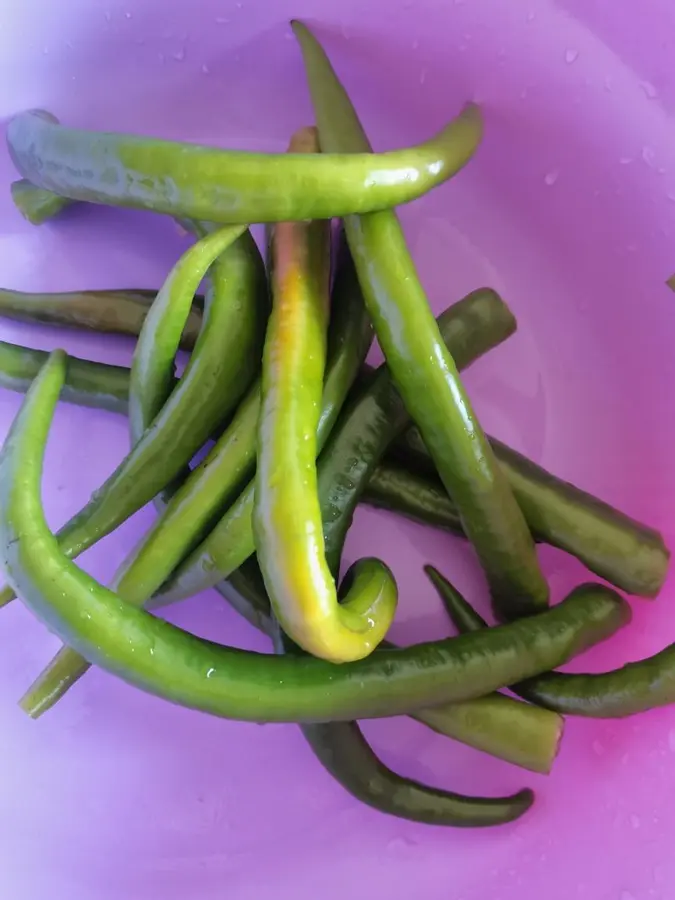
{"x":300,"y":431}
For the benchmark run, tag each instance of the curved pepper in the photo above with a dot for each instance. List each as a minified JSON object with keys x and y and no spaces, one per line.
{"x":286,"y":513}
{"x":191,"y":509}
{"x":471,"y":327}
{"x":221,"y":366}
{"x":107,"y":311}
{"x":496,"y":724}
{"x":231,"y":186}
{"x":423,"y":370}
{"x":345,"y":753}
{"x":634,"y":688}
{"x":171,"y":663}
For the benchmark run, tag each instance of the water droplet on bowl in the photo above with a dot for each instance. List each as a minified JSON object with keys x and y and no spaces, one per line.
{"x":531,"y":16}
{"x":635,"y":821}
{"x":222,"y":20}
{"x":423,"y":76}
{"x":127,"y":15}
{"x":551,"y":177}
{"x":598,"y":748}
{"x":649,"y":90}
{"x":399,"y":844}
{"x":626,"y":160}
{"x":571,"y":55}
{"x":415,"y":45}
{"x":179,"y":55}
{"x":648,"y":155}
{"x":205,"y":69}
{"x":671,"y":733}
{"x":608,"y":83}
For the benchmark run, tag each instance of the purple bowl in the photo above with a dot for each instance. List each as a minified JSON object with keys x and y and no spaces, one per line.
{"x":569,"y":211}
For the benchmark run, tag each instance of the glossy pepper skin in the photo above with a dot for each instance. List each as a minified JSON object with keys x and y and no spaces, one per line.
{"x":634,"y":688}
{"x":630,"y":555}
{"x":220,"y":367}
{"x":496,"y":724}
{"x":424,"y":371}
{"x":107,"y":311}
{"x":472,"y":327}
{"x":286,"y":512}
{"x":164,"y":660}
{"x":200,"y":498}
{"x":233,"y":187}
{"x":344,"y":752}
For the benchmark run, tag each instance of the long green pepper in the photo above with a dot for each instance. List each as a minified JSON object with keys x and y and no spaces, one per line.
{"x":171,"y":663}
{"x":199,"y":182}
{"x":423,"y":370}
{"x":220,"y":368}
{"x":286,"y":512}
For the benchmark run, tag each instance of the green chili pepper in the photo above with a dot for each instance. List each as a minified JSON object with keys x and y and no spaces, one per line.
{"x":221,"y":367}
{"x":286,"y":513}
{"x":191,"y":509}
{"x":630,"y":555}
{"x":496,"y":724}
{"x":345,"y":753}
{"x":231,"y":186}
{"x":92,"y":384}
{"x":417,"y":497}
{"x":472,"y":327}
{"x":109,"y":311}
{"x":423,"y":370}
{"x":35,"y":204}
{"x":634,"y":688}
{"x":164,"y":660}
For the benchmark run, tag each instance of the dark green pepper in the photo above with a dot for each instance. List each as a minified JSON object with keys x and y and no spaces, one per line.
{"x":630,"y":555}
{"x":634,"y":688}
{"x":109,"y":311}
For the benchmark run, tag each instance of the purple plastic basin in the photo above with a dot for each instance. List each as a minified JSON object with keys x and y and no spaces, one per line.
{"x":569,"y":211}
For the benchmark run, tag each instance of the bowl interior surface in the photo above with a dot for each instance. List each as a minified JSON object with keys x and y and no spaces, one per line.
{"x":568,"y":211}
